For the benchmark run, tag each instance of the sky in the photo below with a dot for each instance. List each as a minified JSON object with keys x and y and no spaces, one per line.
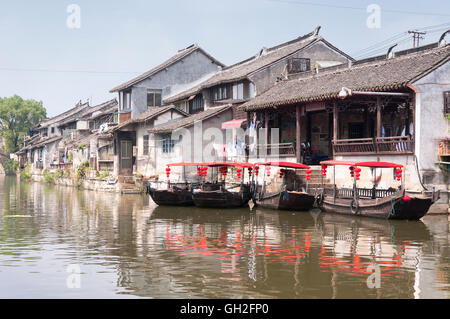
{"x":42,"y":57}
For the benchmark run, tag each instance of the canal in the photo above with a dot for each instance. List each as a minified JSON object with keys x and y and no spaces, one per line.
{"x":60,"y":242}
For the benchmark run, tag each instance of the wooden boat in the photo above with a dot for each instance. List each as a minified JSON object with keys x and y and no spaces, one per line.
{"x":290,"y":196}
{"x":176,"y":194}
{"x":392,"y":203}
{"x":224,"y":195}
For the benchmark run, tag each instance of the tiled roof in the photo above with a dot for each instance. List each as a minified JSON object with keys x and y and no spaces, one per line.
{"x":189,"y":121}
{"x":180,"y":55}
{"x":149,"y":114}
{"x":378,"y":75}
{"x":244,"y":68}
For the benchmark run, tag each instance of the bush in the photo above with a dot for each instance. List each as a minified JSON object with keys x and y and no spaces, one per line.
{"x":10,"y":166}
{"x":26,"y":173}
{"x":49,"y":177}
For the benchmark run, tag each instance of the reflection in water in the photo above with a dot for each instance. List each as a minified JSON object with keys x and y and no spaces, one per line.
{"x":126,"y":246}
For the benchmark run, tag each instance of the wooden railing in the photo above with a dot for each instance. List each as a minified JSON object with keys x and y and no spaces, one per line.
{"x":362,"y":192}
{"x":375,"y":145}
{"x":276,"y":150}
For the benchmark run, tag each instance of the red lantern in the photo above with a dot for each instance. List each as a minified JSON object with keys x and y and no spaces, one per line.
{"x":256,"y":170}
{"x":268,"y":171}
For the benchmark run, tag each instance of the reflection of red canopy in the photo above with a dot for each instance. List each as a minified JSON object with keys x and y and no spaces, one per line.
{"x":285,"y":164}
{"x":233,"y":124}
{"x":363,"y":164}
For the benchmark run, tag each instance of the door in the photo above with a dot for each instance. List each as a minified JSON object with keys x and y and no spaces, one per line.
{"x":126,"y":157}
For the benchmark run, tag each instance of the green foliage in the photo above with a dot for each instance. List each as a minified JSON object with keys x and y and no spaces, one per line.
{"x":81,"y":171}
{"x":103,"y":175}
{"x":10,"y":166}
{"x":17,"y":116}
{"x":25,"y":174}
{"x":49,"y":177}
{"x":81,"y":146}
{"x":70,"y":157}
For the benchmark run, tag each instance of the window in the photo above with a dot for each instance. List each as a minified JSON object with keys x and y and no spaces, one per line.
{"x":146,"y":145}
{"x":447,"y":102}
{"x":52,"y":130}
{"x":220,"y":92}
{"x":296,"y":65}
{"x":182,"y":106}
{"x":167,"y":144}
{"x":154,"y":98}
{"x":196,"y":105}
{"x":125,"y":100}
{"x":238,"y":91}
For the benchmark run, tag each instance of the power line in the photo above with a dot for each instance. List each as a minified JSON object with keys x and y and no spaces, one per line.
{"x":357,"y":8}
{"x":400,"y":37}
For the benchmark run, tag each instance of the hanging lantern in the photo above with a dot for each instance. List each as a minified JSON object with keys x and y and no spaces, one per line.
{"x":281,"y":173}
{"x":238,"y":172}
{"x":352,"y":171}
{"x":398,"y":174}
{"x":268,"y":171}
{"x":168,"y":172}
{"x":256,"y":170}
{"x":308,"y":174}
{"x":250,"y":169}
{"x":357,"y":173}
{"x":324,"y":170}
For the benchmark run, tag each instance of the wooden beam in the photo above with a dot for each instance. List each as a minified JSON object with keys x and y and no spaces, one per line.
{"x":266,"y":126}
{"x":378,"y":117}
{"x":298,"y":134}
{"x":335,"y":122}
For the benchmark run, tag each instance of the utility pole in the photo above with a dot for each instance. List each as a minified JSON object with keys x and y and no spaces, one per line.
{"x":417,"y":36}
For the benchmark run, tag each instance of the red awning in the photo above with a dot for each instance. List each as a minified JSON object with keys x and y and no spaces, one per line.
{"x":233,"y":124}
{"x":284,"y":164}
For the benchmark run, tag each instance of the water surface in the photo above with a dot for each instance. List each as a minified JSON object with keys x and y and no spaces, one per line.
{"x":126,"y":247}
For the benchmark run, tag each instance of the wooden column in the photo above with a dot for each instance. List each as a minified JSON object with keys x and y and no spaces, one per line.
{"x":266,"y":126}
{"x":378,"y":117}
{"x":335,"y":122}
{"x":298,"y":134}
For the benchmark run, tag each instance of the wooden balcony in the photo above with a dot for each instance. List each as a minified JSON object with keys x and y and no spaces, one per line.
{"x":375,"y":145}
{"x":276,"y":150}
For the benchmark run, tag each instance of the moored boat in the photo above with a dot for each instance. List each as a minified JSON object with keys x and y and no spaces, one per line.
{"x":176,"y":194}
{"x":225,"y":194}
{"x":390,"y":203}
{"x":290,"y":196}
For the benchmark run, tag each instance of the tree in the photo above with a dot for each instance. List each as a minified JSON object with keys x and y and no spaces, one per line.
{"x":17,"y":116}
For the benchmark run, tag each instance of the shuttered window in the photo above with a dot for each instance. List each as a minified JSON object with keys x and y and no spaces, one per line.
{"x":447,"y":102}
{"x":145,"y":146}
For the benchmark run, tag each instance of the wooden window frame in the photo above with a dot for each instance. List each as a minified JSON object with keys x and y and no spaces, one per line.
{"x":446,"y":102}
{"x":146,"y":145}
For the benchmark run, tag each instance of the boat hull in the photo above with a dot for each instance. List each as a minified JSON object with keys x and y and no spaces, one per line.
{"x":291,"y":201}
{"x":221,"y":199}
{"x":392,"y":207}
{"x":172,"y":197}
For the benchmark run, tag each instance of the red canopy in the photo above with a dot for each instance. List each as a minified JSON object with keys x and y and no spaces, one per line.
{"x":363,"y":164}
{"x":284,"y":164}
{"x":350,"y":163}
{"x":185,"y":164}
{"x":378,"y":164}
{"x":225,"y":163}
